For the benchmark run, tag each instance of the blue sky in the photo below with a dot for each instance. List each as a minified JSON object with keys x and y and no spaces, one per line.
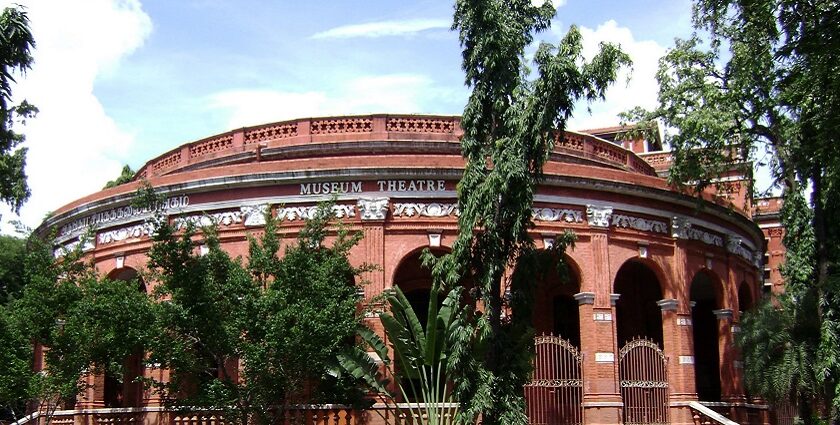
{"x":122,"y":81}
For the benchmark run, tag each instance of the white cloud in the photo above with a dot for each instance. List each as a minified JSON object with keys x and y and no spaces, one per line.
{"x":640,"y":91}
{"x":384,"y":28}
{"x":74,"y":146}
{"x":394,"y":93}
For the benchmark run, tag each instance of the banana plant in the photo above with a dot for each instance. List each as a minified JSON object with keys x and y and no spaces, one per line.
{"x":420,"y":354}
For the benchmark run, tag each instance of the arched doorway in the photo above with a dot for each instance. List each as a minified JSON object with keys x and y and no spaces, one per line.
{"x":415,"y":281}
{"x":554,"y":394}
{"x":126,"y":390}
{"x":637,"y":313}
{"x":705,"y":300}
{"x":643,"y":369}
{"x":555,"y":308}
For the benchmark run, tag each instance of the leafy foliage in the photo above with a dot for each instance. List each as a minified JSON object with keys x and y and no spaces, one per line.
{"x":16,"y":42}
{"x":422,"y":355}
{"x":253,"y":339}
{"x":509,"y":122}
{"x":125,"y":176}
{"x":756,"y":83}
{"x":12,"y":257}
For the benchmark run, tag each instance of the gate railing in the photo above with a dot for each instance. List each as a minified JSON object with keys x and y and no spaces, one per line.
{"x":643,"y":378}
{"x":554,"y":396}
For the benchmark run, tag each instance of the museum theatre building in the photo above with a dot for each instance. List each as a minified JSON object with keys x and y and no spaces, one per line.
{"x":643,"y":331}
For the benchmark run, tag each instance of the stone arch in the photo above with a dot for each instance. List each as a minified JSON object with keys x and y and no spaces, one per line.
{"x":555,"y":307}
{"x":746,"y":299}
{"x":637,"y":311}
{"x":706,"y":294}
{"x":416,"y":281}
{"x":128,"y":274}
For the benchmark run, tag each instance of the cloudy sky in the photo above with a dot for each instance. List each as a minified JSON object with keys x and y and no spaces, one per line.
{"x":121,"y":81}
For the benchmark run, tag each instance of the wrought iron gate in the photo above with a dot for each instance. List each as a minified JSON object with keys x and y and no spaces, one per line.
{"x":555,"y":394}
{"x":643,"y":375}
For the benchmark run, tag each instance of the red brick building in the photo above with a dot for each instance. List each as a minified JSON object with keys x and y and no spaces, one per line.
{"x":645,"y":327}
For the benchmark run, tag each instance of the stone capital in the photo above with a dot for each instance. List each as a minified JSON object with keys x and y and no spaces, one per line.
{"x":585,"y":298}
{"x":723,"y":314}
{"x":668,"y":304}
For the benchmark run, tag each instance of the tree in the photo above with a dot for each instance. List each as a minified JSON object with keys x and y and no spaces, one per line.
{"x":757,"y":80}
{"x":90,"y":325}
{"x":126,"y":174}
{"x":16,"y":42}
{"x":12,"y":256}
{"x":509,"y":122}
{"x":252,"y":339}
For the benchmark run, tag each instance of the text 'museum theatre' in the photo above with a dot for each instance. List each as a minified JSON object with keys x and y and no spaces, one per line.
{"x":644,"y":328}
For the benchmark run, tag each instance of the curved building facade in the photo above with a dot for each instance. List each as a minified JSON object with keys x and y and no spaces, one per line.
{"x":644,"y":327}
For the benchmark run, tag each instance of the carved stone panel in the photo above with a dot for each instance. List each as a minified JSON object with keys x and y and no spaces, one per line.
{"x":373,"y":208}
{"x":598,"y":216}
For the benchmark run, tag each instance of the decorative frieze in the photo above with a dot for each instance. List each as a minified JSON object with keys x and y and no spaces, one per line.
{"x":225,"y":218}
{"x":433,"y":209}
{"x":598,"y":216}
{"x":121,"y":234}
{"x":63,"y":250}
{"x":303,"y":213}
{"x":254,"y":215}
{"x":557,"y":214}
{"x":127,"y":212}
{"x":682,"y":228}
{"x":638,"y":223}
{"x":734,"y":246}
{"x":373,"y":208}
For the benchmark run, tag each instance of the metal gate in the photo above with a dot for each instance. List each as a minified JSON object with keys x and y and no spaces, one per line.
{"x":555,"y":394}
{"x":643,"y":376}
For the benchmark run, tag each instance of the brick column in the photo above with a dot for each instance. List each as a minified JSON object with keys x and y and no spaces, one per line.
{"x":726,"y":359}
{"x":601,"y":398}
{"x":678,"y":346}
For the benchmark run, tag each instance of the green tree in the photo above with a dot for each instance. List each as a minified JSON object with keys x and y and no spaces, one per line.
{"x":756,"y":84}
{"x":126,"y":174}
{"x":12,"y":257}
{"x":510,"y":122}
{"x":16,"y":42}
{"x":251,"y":339}
{"x":89,"y":324}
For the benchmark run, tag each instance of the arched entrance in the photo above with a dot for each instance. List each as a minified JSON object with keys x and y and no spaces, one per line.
{"x":555,"y":393}
{"x":643,"y":371}
{"x":126,"y":390}
{"x":555,"y":308}
{"x":637,"y":314}
{"x":705,"y":300}
{"x":415,"y":281}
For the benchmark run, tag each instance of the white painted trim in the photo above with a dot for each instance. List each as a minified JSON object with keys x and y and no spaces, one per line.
{"x":637,"y":209}
{"x":715,"y":416}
